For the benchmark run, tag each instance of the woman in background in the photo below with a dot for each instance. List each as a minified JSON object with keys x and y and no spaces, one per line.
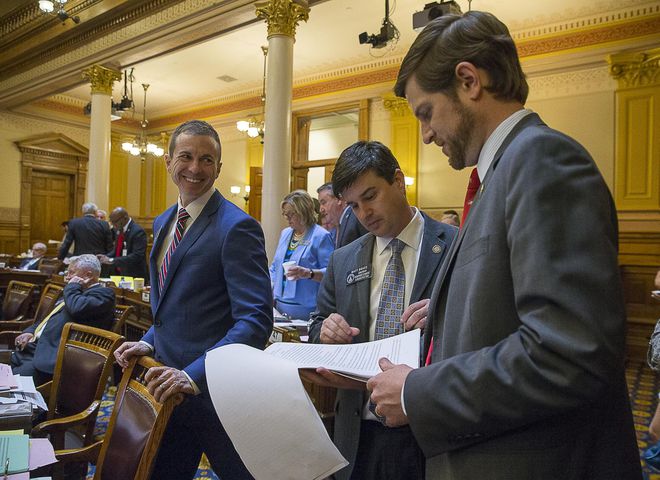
{"x":304,"y":248}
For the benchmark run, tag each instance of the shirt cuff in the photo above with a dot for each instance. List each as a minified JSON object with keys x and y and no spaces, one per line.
{"x":151,"y":347}
{"x":403,"y":403}
{"x":194,"y":385}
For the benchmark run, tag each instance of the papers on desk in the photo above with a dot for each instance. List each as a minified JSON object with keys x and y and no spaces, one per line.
{"x":268,"y":415}
{"x":357,"y":360}
{"x":39,"y":453}
{"x":7,"y":379}
{"x":24,"y":391}
{"x":14,"y":453}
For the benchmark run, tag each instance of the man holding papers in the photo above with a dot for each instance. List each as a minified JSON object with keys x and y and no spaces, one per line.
{"x":362,"y":298}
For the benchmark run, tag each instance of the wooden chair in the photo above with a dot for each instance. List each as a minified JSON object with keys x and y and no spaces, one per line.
{"x":10,"y":329}
{"x":18,"y":300}
{"x":121,"y":314}
{"x":84,"y":362}
{"x":136,"y":428}
{"x":51,"y":265}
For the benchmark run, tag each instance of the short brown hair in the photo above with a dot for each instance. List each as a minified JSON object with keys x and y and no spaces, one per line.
{"x":475,"y":37}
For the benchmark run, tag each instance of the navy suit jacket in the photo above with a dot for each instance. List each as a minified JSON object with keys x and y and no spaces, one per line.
{"x":217,"y":290}
{"x":352,"y":301}
{"x":94,"y":307}
{"x":134,"y":263}
{"x":90,"y":235}
{"x":349,"y":228}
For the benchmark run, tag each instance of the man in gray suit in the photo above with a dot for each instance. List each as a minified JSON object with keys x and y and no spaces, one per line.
{"x":526,"y":321}
{"x":350,"y":302}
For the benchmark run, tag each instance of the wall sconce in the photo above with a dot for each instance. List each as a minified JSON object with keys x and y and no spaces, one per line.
{"x":409,"y":181}
{"x":246,"y":197}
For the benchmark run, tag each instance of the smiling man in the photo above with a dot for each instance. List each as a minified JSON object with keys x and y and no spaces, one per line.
{"x":210,"y":287}
{"x":526,"y":326}
{"x":366,"y":288}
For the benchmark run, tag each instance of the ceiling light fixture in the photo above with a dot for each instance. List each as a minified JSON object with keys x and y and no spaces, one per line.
{"x":140,"y":146}
{"x":56,"y":8}
{"x":253,"y":127}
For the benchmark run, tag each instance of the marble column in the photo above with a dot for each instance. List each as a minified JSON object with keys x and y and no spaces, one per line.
{"x":98,"y":176}
{"x":282,"y":17}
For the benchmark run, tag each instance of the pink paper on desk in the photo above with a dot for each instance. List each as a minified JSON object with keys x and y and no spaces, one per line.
{"x":19,"y":476}
{"x":41,"y":453}
{"x":7,"y":379}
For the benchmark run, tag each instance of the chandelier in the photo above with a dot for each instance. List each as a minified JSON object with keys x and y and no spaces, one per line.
{"x":253,"y":127}
{"x":56,"y":7}
{"x":140,"y":146}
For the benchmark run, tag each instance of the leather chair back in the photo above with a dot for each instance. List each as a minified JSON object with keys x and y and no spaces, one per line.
{"x":49,"y":297}
{"x":84,"y":362}
{"x":121,"y":314}
{"x":18,"y":299}
{"x":51,"y":266}
{"x":136,"y":427}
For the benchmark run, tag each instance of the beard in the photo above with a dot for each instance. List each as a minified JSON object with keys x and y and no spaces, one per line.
{"x":457,"y":146}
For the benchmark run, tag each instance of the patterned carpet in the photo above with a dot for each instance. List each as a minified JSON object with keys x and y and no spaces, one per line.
{"x":643,"y":387}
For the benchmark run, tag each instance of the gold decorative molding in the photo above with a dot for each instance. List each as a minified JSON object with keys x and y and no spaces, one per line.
{"x":636,"y":69}
{"x":101,"y":78}
{"x":397,"y":106}
{"x":283,"y":16}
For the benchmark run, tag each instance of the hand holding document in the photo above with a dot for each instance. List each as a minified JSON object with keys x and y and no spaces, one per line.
{"x":356,"y":360}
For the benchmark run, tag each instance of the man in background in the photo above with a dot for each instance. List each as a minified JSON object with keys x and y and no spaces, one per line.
{"x":38,"y":251}
{"x":87,"y":233}
{"x":84,"y":301}
{"x":128,"y":256}
{"x":525,"y":335}
{"x":347,"y":227}
{"x":210,"y":287}
{"x":403,"y":249}
{"x":331,"y":209}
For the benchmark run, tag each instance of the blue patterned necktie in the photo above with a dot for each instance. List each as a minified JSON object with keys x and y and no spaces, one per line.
{"x":390,"y":307}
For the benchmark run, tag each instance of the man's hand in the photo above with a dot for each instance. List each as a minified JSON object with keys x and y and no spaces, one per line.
{"x":22,"y":340}
{"x":415,"y":315}
{"x":104,"y":259}
{"x":335,"y":329}
{"x":326,"y":378}
{"x":163,"y":382}
{"x":385,"y":391}
{"x":127,"y":350}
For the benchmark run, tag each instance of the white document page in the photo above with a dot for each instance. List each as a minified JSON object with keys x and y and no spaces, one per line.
{"x":268,"y":415}
{"x":357,"y":360}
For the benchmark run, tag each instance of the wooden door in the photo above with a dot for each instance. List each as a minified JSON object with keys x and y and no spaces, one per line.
{"x":256,"y":186}
{"x":51,"y":204}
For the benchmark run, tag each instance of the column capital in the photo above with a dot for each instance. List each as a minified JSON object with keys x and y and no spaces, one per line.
{"x":397,"y":106}
{"x":101,"y":78}
{"x":282,"y":16}
{"x":638,"y":69}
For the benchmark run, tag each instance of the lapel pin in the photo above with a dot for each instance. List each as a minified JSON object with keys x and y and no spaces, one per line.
{"x":436,"y":249}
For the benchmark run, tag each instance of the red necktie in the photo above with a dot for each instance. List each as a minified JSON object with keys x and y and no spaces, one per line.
{"x":473,"y":186}
{"x":178,"y":234}
{"x":120,"y":244}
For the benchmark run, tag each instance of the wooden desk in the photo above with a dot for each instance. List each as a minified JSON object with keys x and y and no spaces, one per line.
{"x":140,"y":320}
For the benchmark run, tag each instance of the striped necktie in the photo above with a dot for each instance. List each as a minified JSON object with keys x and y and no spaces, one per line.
{"x":392,"y":293}
{"x":182,"y":216}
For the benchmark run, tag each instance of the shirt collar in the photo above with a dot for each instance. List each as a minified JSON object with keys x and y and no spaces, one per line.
{"x":127,"y":224}
{"x":496,"y":139}
{"x":411,"y":235}
{"x":195,"y":207}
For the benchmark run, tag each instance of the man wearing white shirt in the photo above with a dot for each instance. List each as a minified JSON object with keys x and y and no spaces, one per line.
{"x":356,"y":304}
{"x":526,"y":323}
{"x":38,"y":251}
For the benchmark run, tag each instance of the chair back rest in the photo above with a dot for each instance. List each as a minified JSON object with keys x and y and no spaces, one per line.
{"x":84,"y":362}
{"x":121,"y":314}
{"x":50,"y":265}
{"x":136,"y":427}
{"x":49,"y":297}
{"x":18,"y":299}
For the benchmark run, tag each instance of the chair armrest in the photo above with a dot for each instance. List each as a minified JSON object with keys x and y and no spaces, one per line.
{"x":44,"y":390}
{"x":87,"y":454}
{"x":64,"y":423}
{"x":10,"y":323}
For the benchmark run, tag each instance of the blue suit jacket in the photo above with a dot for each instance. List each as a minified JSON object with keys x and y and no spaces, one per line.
{"x":217,"y":290}
{"x":313,"y":252}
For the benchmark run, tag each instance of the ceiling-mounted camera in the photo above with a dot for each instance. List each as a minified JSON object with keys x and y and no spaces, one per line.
{"x":387,"y":32}
{"x":434,"y":10}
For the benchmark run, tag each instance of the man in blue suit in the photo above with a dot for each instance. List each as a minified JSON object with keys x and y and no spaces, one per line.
{"x":210,"y":287}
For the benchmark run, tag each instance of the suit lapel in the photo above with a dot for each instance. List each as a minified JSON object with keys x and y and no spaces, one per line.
{"x":363,"y":257}
{"x":431,"y":253}
{"x":159,"y":236}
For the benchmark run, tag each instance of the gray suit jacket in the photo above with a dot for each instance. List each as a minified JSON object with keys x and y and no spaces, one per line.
{"x":527,"y":320}
{"x":352,"y":302}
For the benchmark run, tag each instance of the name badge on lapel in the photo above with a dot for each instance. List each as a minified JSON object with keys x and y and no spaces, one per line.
{"x":358,"y":275}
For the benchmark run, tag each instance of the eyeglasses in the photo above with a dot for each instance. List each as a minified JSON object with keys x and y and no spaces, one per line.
{"x":288,"y":215}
